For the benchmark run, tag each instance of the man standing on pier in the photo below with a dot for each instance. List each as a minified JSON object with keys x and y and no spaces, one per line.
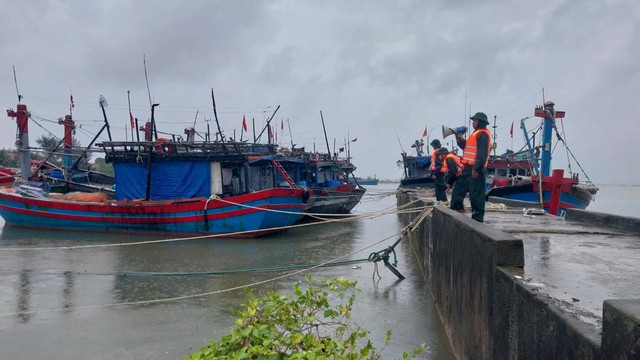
{"x":436,"y":175}
{"x":475,"y":159}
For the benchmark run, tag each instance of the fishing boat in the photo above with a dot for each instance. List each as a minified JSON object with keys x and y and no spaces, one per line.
{"x":552,"y":189}
{"x":508,"y":168}
{"x":501,"y":170}
{"x":326,"y":176}
{"x":163,"y":187}
{"x":416,"y":171}
{"x":364,"y":181}
{"x":7,"y":176}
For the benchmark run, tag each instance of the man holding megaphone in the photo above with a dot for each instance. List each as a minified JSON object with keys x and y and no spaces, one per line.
{"x":475,"y":158}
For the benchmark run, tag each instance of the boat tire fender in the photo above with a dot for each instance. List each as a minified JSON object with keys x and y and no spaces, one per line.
{"x":306,"y":195}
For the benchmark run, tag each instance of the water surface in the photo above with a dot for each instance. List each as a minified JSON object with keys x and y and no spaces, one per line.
{"x":63,"y":303}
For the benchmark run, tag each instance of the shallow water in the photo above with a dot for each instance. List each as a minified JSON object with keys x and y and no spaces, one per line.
{"x":63,"y":303}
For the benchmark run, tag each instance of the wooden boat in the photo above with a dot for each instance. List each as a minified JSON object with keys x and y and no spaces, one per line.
{"x":555,"y":192}
{"x":7,"y":176}
{"x":500,"y":171}
{"x":326,"y":177}
{"x":165,"y":186}
{"x":416,"y":171}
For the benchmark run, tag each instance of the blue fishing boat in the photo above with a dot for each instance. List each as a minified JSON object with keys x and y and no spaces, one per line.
{"x":324,"y":175}
{"x":164,"y":187}
{"x":416,"y":171}
{"x":552,"y":189}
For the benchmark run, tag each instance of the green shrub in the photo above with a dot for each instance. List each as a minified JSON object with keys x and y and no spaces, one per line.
{"x":310,"y":324}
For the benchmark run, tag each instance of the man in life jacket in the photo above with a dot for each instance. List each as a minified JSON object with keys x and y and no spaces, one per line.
{"x":451,"y":167}
{"x":474,"y":173}
{"x":436,"y":175}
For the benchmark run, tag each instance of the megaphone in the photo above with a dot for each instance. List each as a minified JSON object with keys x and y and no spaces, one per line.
{"x":446,"y":131}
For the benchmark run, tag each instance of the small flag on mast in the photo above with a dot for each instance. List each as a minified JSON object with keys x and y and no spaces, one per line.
{"x":72,"y":103}
{"x":511,"y":131}
{"x":424,"y":133}
{"x":133,"y":124}
{"x":282,"y":124}
{"x":244,"y":124}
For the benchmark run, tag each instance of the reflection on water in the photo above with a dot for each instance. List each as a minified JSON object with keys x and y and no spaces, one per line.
{"x":78,"y":283}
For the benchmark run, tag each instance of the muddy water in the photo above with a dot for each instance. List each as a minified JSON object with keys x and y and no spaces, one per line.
{"x":63,"y":303}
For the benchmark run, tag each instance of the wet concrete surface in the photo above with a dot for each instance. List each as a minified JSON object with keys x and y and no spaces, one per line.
{"x":576,"y":265}
{"x":63,"y":304}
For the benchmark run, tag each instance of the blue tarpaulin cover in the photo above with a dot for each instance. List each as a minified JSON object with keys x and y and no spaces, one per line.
{"x":169,"y":180}
{"x":423,"y":160}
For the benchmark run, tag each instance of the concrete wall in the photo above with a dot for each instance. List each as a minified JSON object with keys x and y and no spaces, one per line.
{"x":488,"y":314}
{"x":464,"y":265}
{"x":625,"y":223}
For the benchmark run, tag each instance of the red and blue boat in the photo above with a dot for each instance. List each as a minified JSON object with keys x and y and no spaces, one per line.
{"x":163,"y":186}
{"x":550,"y":188}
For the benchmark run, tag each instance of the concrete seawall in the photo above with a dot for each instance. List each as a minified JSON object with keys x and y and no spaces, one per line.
{"x":489,"y":310}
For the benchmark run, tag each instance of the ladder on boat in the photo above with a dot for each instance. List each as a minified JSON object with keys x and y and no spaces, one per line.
{"x":284,"y":173}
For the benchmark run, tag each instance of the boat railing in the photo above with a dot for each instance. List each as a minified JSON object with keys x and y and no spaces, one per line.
{"x":181,"y":149}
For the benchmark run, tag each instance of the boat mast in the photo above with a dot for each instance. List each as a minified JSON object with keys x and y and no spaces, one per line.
{"x":549,"y":114}
{"x":325,"y":134}
{"x":22,"y":137}
{"x":69,"y":128}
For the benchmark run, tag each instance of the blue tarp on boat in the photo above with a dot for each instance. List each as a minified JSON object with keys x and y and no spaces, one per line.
{"x":169,"y":180}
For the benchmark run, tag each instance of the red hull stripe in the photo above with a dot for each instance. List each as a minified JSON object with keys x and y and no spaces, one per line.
{"x":130,"y":218}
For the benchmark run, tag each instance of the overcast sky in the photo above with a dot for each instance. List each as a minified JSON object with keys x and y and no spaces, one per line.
{"x":374,"y":68}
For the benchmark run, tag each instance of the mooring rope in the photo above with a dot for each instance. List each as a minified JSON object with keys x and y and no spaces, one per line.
{"x":402,"y":232}
{"x":367,"y":216}
{"x":184,"y":297}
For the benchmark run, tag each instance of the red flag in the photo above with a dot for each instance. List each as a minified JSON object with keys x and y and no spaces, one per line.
{"x":72,"y":103}
{"x":133,"y":124}
{"x":244,"y":124}
{"x":424,"y":133}
{"x":281,"y":124}
{"x":511,"y":131}
{"x":354,"y":140}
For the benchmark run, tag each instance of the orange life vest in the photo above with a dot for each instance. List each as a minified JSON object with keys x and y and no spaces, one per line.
{"x":471,"y":148}
{"x":445,"y":166}
{"x":433,"y":160}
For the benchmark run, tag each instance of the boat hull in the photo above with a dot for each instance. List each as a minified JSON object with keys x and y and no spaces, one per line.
{"x":424,"y":182}
{"x":575,"y":198}
{"x":247,"y":215}
{"x":339,"y":200}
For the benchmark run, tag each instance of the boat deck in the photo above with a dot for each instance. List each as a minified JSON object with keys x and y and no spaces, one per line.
{"x":576,"y":264}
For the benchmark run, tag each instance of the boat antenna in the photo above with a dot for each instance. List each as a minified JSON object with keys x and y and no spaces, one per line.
{"x":325,"y":134}
{"x":399,"y":142}
{"x":71,"y":104}
{"x":196,"y":118}
{"x":268,"y":124}
{"x":215,"y":114}
{"x":130,"y":115}
{"x":495,"y":144}
{"x":291,"y":136}
{"x":15,"y":80}
{"x":144,"y":62}
{"x":208,"y":138}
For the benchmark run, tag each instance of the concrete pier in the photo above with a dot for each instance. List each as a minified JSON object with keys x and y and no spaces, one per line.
{"x":532,"y":286}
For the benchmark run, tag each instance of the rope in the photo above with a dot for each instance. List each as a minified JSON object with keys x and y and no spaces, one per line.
{"x":184,"y":297}
{"x":402,"y":232}
{"x":190,"y":273}
{"x":198,"y":237}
